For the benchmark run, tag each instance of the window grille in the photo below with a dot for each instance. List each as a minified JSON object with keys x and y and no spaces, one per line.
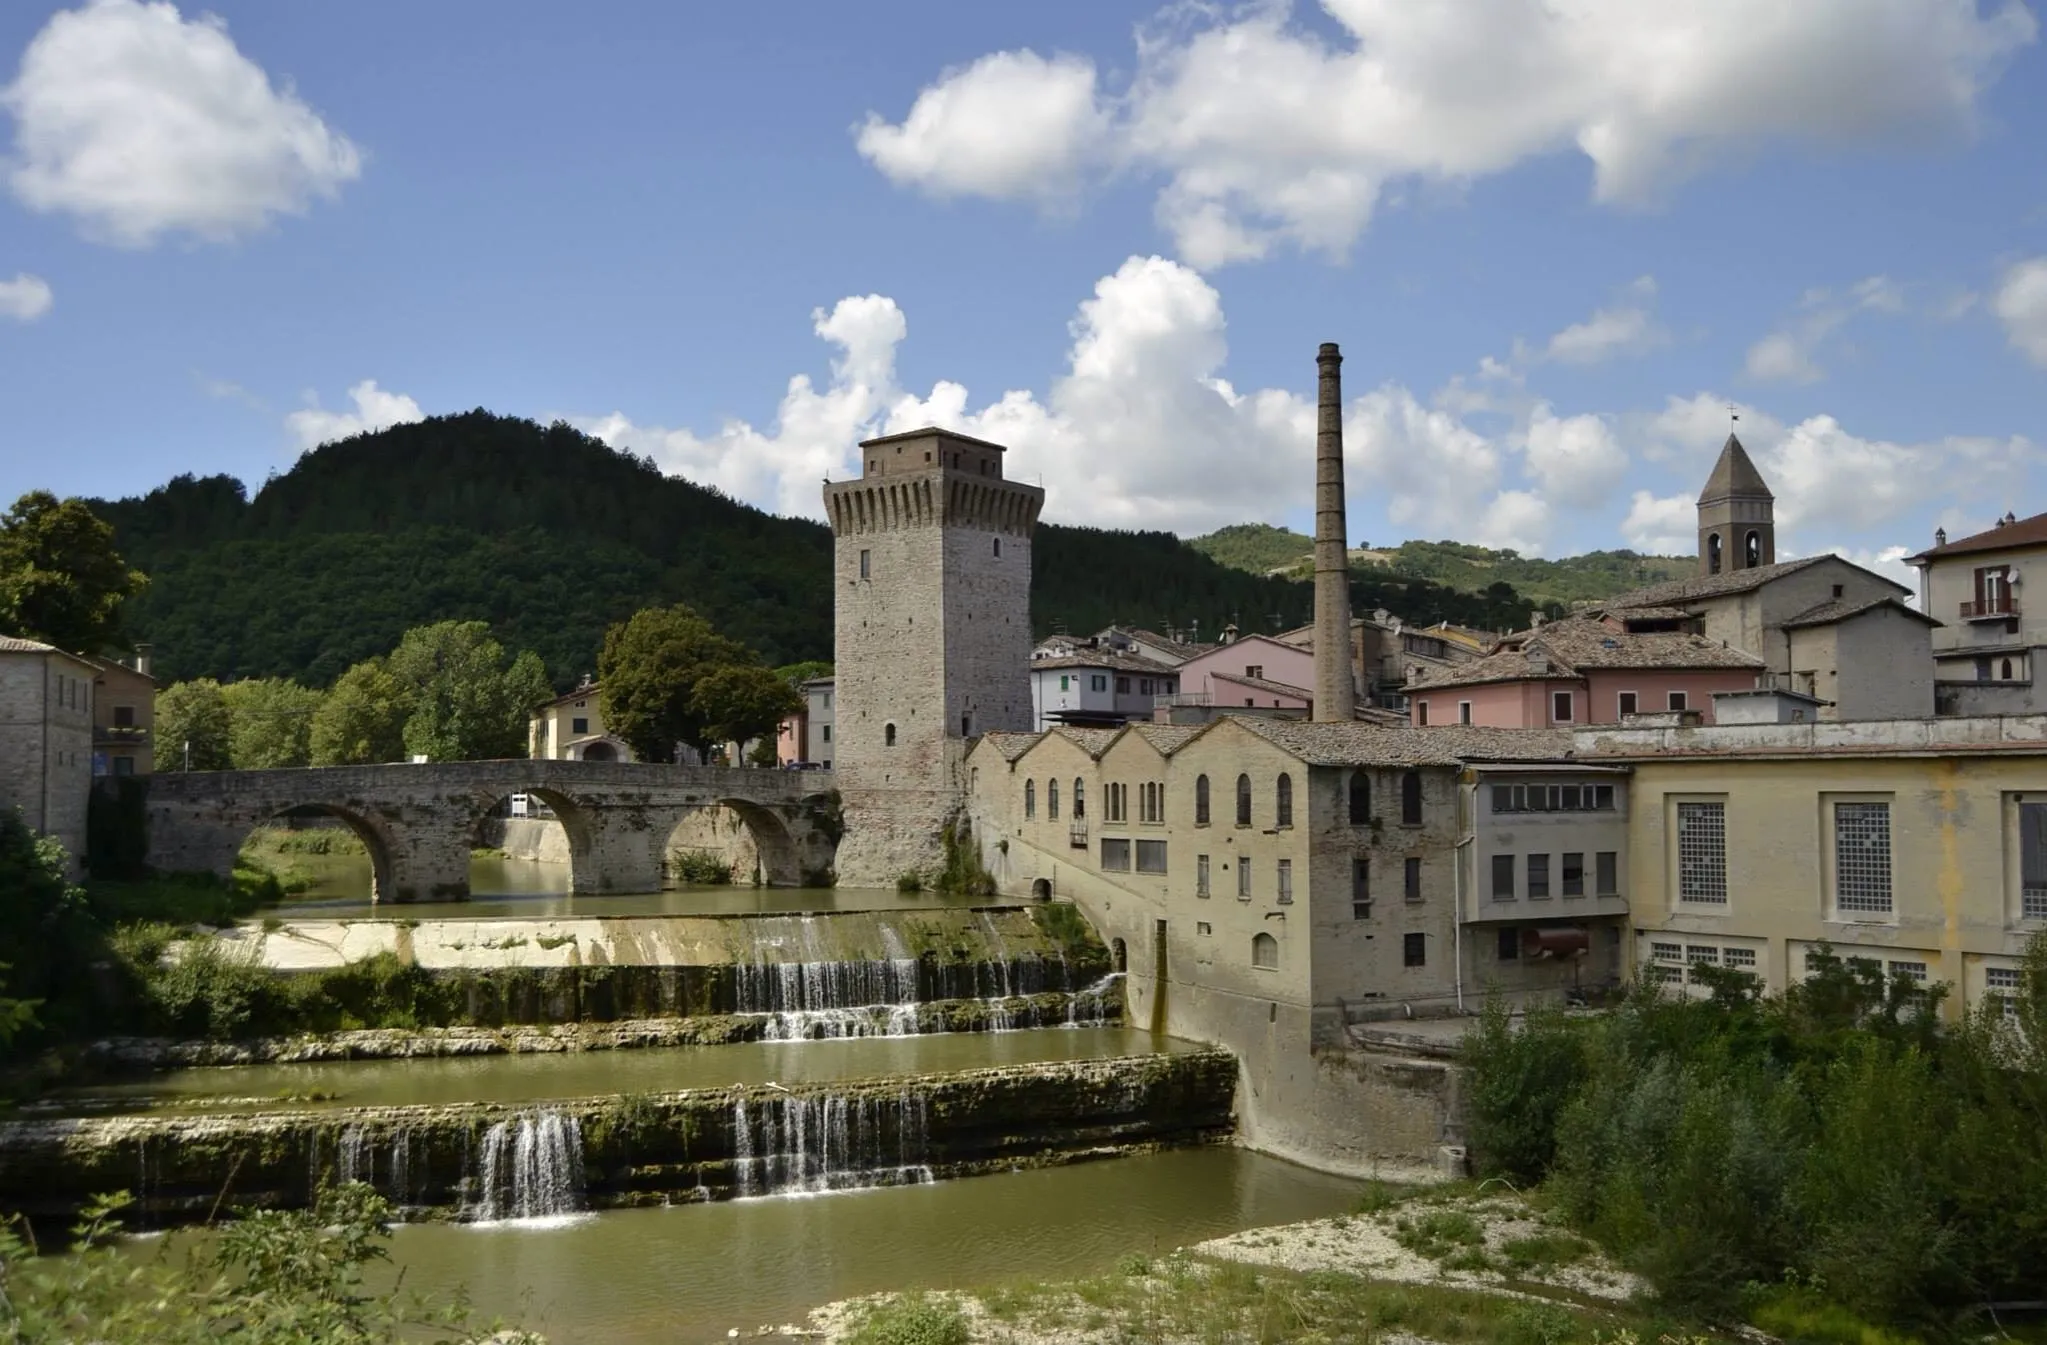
{"x":1201,"y":875}
{"x":1911,"y":971}
{"x":2003,"y":984}
{"x":1286,"y":882}
{"x":2033,"y":861}
{"x":1862,"y":857}
{"x":1151,"y":856}
{"x":1702,"y":952}
{"x":1667,"y":952}
{"x":1702,"y":852}
{"x":1243,"y":879}
{"x":1538,"y":877}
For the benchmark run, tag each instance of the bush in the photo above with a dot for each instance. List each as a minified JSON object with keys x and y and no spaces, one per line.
{"x":912,"y":1319}
{"x":909,"y":881}
{"x":700,"y":867}
{"x":1520,"y":1082}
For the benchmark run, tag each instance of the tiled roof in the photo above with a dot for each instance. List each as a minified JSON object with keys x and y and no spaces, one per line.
{"x":1165,"y":737}
{"x":1677,"y":592}
{"x":1181,"y":650}
{"x":2025,"y":532}
{"x":1090,"y":741}
{"x":1011,"y":745}
{"x":10,"y":645}
{"x":1733,"y":474}
{"x":1102,"y":658}
{"x":1570,"y":646}
{"x":1840,"y":610}
{"x":1321,"y":744}
{"x":1263,"y":684}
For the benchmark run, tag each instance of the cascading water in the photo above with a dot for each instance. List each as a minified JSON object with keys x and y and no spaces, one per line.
{"x":1090,"y":1007}
{"x":814,"y":996}
{"x":811,"y":1145}
{"x":359,"y":1159}
{"x":532,"y":1169}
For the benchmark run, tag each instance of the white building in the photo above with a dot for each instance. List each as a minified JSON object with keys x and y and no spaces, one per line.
{"x":1096,"y":688}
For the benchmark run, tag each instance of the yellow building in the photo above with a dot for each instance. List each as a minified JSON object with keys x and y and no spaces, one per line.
{"x":1917,"y":845}
{"x":123,"y":716}
{"x":571,"y":728}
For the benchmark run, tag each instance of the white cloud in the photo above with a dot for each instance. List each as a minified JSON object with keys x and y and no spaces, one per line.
{"x":141,"y":123}
{"x":1662,"y":525}
{"x":1267,"y":134}
{"x":2021,"y":306}
{"x":1012,"y":124}
{"x":1788,"y":355}
{"x":24,"y":298}
{"x":375,"y":409}
{"x":1140,"y":431}
{"x":1576,"y":459}
{"x":1627,"y":327}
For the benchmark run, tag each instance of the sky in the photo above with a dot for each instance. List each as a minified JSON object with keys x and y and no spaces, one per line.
{"x":1561,"y":242}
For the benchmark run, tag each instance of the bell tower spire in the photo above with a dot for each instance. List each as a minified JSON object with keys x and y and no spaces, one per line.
{"x":1737,"y":515}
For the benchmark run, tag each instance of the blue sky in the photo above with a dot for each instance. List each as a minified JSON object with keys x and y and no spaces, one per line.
{"x":1555,"y":243}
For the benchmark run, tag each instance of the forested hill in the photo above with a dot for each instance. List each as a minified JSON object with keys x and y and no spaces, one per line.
{"x":551,"y":535}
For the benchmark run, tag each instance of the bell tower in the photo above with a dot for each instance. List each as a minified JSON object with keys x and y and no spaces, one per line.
{"x":1737,"y":523}
{"x":931,"y":576}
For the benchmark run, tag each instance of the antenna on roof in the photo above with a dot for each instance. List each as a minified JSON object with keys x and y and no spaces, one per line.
{"x":1732,"y":416}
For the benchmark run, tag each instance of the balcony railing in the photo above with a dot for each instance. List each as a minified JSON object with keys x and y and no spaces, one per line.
{"x":1991,"y":609}
{"x":1076,"y":835}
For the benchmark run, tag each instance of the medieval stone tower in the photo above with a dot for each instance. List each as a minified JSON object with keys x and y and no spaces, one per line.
{"x":1737,"y":524}
{"x":931,"y":571}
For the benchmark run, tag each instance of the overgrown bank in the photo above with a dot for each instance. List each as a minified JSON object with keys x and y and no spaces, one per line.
{"x":1834,"y":1153}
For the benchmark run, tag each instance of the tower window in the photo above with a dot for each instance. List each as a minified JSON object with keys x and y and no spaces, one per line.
{"x":866,"y":564}
{"x":1360,"y":798}
{"x":1752,"y":550}
{"x":1713,"y":553}
{"x":998,"y":546}
{"x":966,"y":726}
{"x":888,"y":735}
{"x":1411,"y":799}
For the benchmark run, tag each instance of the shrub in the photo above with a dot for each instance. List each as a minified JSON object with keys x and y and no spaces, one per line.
{"x":700,"y":867}
{"x":909,"y":881}
{"x":912,"y":1319}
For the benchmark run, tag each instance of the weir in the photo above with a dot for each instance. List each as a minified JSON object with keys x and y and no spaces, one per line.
{"x":492,"y":1161}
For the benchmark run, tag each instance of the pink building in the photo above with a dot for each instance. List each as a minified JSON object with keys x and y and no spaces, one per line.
{"x":1254,"y":671}
{"x":1583,"y":670}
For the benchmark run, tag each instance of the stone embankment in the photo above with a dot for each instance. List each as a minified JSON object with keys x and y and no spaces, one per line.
{"x":481,"y":1160}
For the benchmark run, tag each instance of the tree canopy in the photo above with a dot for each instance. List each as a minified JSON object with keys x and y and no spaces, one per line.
{"x":648,"y":675}
{"x":361,"y":721}
{"x":467,"y":702}
{"x":270,"y":723}
{"x":193,"y":727}
{"x":61,"y":579}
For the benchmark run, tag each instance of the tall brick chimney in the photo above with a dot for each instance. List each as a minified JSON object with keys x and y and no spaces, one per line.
{"x":1335,"y":694}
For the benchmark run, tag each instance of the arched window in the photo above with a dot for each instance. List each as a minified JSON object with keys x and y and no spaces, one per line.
{"x":1052,"y":800}
{"x":1360,"y":798}
{"x":1286,"y":800}
{"x":1713,"y":553}
{"x":1079,"y":798}
{"x":1243,"y":800}
{"x":1411,"y":799}
{"x":1200,"y":800}
{"x":2007,"y":670}
{"x":888,"y":735}
{"x":1030,"y":799}
{"x":1752,"y":550}
{"x":1265,"y":952}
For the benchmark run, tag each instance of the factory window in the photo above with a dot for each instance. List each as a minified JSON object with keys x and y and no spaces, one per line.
{"x":1606,"y":873}
{"x":1361,"y":888}
{"x":1151,"y":856}
{"x":1702,"y":852}
{"x":1052,"y":800}
{"x":1115,"y":855}
{"x":1574,"y":873}
{"x":2002,"y":983}
{"x":1503,"y":877}
{"x":1079,"y":798}
{"x":1030,"y":800}
{"x":1243,"y":800}
{"x":1862,"y":857}
{"x":888,"y":735}
{"x":1360,"y":798}
{"x":1286,"y":882}
{"x":1200,"y":800}
{"x":1510,"y":944}
{"x":1201,"y":875}
{"x":1538,"y":877}
{"x":1411,"y":878}
{"x":1414,"y":950}
{"x":866,"y":565}
{"x":1243,"y":878}
{"x":1285,"y":801}
{"x":1411,"y":799}
{"x":1265,"y":952}
{"x":2033,"y":861}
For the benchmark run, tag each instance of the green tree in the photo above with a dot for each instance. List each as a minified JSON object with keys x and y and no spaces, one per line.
{"x":648,"y":674}
{"x":192,"y":727}
{"x":270,"y":723}
{"x":44,"y":925}
{"x":467,"y":703}
{"x":61,"y":580}
{"x":362,"y":719}
{"x":798,"y":673}
{"x":741,"y":703}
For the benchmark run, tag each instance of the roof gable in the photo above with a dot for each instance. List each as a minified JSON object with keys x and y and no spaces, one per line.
{"x":1734,"y":474}
{"x":2024,"y":532}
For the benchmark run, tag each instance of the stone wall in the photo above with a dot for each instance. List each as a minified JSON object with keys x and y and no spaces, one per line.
{"x":698,"y":1144}
{"x":46,"y":743}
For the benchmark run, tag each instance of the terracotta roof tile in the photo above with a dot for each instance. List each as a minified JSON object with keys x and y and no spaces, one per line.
{"x":1372,"y":744}
{"x":2025,"y":532}
{"x":10,"y":645}
{"x":1566,"y":648}
{"x":1103,"y":658}
{"x":1840,"y":610}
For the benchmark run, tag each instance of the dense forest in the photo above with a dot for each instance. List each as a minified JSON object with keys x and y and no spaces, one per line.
{"x":551,"y":536}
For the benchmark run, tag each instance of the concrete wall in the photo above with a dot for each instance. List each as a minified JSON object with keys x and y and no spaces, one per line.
{"x":46,"y":708}
{"x":1954,"y":859}
{"x":1881,"y":665}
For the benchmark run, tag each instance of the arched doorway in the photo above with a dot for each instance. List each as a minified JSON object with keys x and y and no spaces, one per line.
{"x":1041,"y":889}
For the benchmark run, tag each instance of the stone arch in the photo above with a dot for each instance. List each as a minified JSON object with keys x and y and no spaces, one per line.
{"x":375,"y":840}
{"x":1713,"y":557}
{"x":576,"y":822}
{"x":600,"y":751}
{"x":1119,"y":955}
{"x":782,"y":857}
{"x":1041,"y":889}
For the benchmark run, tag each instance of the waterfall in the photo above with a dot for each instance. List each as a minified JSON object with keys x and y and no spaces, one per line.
{"x":358,"y":1160}
{"x":532,"y":1169}
{"x":358,"y":1157}
{"x":1090,"y":1007}
{"x":812,"y":1145}
{"x":813,"y":996}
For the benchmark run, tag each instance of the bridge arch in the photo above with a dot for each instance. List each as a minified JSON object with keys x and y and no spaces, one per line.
{"x":383,"y":874}
{"x":781,"y":847}
{"x":575,"y":819}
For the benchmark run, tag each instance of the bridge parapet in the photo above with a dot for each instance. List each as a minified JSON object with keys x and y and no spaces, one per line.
{"x":420,"y":821}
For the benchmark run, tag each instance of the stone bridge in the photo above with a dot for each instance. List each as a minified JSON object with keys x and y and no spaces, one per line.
{"x":420,"y":822}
